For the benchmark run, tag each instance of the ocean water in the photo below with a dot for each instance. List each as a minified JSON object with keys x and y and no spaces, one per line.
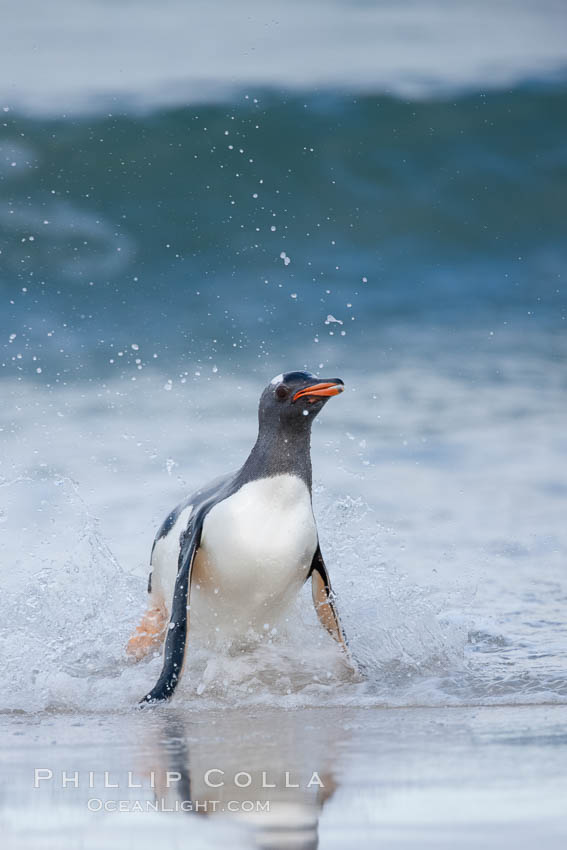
{"x":194,"y":198}
{"x":296,"y":228}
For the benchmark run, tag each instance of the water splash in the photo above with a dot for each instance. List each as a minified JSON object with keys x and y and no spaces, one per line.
{"x":68,"y":607}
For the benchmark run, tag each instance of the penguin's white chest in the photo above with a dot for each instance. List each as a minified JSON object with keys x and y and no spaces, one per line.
{"x":256,"y":551}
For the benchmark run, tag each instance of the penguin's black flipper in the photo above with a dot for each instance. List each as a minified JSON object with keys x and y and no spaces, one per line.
{"x":323,"y":599}
{"x":176,"y":639}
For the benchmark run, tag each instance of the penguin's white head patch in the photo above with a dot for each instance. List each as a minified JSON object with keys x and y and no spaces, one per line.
{"x":277,"y":380}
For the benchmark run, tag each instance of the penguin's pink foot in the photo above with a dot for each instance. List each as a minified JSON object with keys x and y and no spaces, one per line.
{"x":149,"y":634}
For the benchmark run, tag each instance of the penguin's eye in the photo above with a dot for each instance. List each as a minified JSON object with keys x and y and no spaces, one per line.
{"x":282,"y":392}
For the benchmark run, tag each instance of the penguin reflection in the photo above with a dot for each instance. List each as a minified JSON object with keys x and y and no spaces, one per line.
{"x":272,"y":773}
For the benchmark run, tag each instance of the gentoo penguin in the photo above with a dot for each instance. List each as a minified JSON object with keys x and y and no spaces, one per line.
{"x":235,"y":554}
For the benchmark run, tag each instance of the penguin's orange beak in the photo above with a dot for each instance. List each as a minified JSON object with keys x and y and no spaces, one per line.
{"x":323,"y":390}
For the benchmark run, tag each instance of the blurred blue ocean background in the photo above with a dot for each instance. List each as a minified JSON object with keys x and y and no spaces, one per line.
{"x":397,"y":167}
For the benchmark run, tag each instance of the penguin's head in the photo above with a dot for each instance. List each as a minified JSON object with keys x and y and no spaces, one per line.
{"x":293,"y":399}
